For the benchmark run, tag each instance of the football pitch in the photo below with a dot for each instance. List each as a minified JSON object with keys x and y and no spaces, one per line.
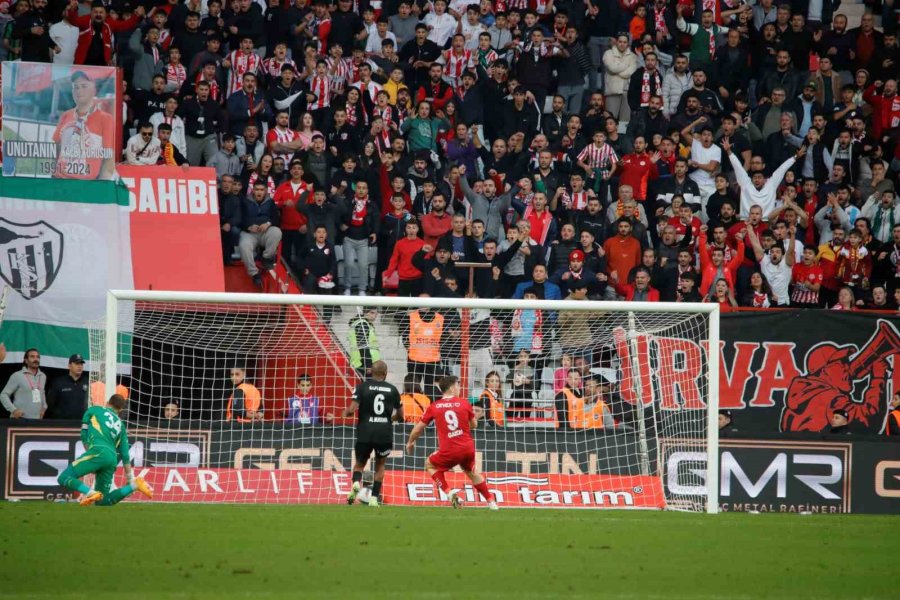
{"x":63,"y":551}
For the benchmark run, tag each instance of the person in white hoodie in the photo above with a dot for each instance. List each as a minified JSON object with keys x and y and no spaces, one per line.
{"x":676,"y":82}
{"x":756,"y":189}
{"x":619,"y":62}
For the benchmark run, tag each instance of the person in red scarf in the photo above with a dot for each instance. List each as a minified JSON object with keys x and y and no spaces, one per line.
{"x":360,"y":228}
{"x":638,"y":168}
{"x":645,"y":83}
{"x":543,"y":224}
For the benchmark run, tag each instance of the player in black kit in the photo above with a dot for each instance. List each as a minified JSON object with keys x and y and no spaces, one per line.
{"x":378,"y":403}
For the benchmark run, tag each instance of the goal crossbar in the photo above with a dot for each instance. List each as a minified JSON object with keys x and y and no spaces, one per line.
{"x":710,"y":310}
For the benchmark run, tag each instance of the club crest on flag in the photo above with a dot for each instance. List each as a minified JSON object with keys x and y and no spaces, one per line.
{"x":30,"y":256}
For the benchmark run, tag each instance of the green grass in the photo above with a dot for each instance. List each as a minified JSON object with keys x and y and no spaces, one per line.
{"x":259,"y":552}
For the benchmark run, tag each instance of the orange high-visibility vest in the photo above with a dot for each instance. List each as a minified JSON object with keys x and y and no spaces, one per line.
{"x":425,"y":338}
{"x":251,"y":401}
{"x":578,"y":418}
{"x":895,"y":415}
{"x":414,"y":406}
{"x":493,"y":406}
{"x":98,"y":393}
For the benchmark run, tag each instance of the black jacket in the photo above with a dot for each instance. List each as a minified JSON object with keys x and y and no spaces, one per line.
{"x":35,"y":48}
{"x":67,"y":398}
{"x":201,"y":118}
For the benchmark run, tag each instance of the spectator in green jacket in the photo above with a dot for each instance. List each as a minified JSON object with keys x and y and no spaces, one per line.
{"x":364,"y":348}
{"x":423,"y":129}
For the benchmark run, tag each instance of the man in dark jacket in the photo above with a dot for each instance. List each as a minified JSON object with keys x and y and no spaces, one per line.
{"x":67,"y":395}
{"x":229,"y":216}
{"x":259,"y":231}
{"x":34,"y":30}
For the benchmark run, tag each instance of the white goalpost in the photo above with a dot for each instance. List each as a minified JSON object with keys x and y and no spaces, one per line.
{"x":239,"y":397}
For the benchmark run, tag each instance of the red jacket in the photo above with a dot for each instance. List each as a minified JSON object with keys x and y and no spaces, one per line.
{"x":291,"y":219}
{"x":86,"y":34}
{"x":401,"y":259}
{"x":885,"y":111}
{"x":636,"y":170}
{"x":627,"y":290}
{"x":708,"y":270}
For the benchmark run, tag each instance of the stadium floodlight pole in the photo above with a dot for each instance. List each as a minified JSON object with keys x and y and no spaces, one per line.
{"x":712,"y":412}
{"x":111,"y":349}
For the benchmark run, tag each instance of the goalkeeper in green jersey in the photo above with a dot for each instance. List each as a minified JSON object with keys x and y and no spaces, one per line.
{"x":105,"y":440}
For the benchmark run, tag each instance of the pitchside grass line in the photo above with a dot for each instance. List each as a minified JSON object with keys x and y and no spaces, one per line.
{"x":63,"y":551}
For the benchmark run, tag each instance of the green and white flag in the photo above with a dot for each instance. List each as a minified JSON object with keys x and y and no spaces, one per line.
{"x":63,"y":244}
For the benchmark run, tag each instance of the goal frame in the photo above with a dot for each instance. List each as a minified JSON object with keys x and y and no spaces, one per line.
{"x":712,"y":337}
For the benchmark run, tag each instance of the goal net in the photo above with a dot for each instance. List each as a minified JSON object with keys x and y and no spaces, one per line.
{"x":240,"y":397}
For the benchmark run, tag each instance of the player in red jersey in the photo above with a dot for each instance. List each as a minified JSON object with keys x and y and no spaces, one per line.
{"x":454,"y":418}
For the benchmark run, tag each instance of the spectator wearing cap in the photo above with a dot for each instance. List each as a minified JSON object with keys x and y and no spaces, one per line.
{"x":575,"y":269}
{"x":840,"y":422}
{"x":436,"y":265}
{"x":246,"y":106}
{"x":96,"y":33}
{"x":805,"y":106}
{"x":726,"y":422}
{"x":67,"y":395}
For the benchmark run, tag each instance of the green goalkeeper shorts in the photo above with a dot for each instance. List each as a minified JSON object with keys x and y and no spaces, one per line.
{"x":100,"y":461}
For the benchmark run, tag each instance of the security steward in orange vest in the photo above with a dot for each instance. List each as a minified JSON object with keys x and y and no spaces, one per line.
{"x":426,"y":327}
{"x":570,"y":395}
{"x":490,"y":402}
{"x":893,"y":424}
{"x":245,"y":403}
{"x":412,"y":400}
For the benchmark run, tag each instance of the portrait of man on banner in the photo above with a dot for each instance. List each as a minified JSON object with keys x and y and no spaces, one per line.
{"x":60,"y":121}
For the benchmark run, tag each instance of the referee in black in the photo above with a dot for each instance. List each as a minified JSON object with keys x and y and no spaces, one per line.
{"x":378,"y":403}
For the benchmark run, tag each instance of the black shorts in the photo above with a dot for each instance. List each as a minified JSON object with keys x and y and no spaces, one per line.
{"x":363,"y":450}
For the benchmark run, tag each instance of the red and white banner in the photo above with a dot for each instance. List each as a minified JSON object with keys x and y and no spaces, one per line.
{"x":182,"y":484}
{"x":175,"y":239}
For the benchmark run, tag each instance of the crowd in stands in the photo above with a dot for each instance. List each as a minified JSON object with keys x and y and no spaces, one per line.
{"x":690,"y":150}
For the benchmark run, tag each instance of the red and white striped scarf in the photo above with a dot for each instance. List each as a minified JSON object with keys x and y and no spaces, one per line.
{"x":214,"y":91}
{"x":272,"y":66}
{"x":270,"y":184}
{"x":646,"y":90}
{"x":575,"y":200}
{"x":241,"y":64}
{"x":659,"y":20}
{"x":340,"y":73}
{"x":175,"y":75}
{"x":360,"y":209}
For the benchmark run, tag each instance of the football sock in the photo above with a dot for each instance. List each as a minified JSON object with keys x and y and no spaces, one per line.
{"x":484,"y":491}
{"x":118,"y":494}
{"x":68,"y":479}
{"x":439,"y":479}
{"x":376,"y":489}
{"x":357,"y":476}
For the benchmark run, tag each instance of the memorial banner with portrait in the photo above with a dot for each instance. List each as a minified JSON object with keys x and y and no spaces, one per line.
{"x":61,"y":121}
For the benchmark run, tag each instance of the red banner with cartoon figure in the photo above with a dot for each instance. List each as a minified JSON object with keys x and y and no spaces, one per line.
{"x":61,"y":121}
